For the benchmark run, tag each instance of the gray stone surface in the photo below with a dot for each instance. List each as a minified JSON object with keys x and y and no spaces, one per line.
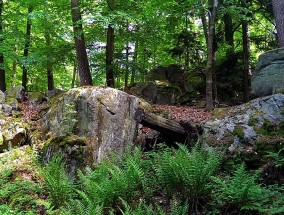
{"x":17,"y":92}
{"x":2,"y":97}
{"x":268,"y":77}
{"x":238,"y":125}
{"x":12,"y":133}
{"x":7,"y":110}
{"x":105,"y":116}
{"x":36,"y":98}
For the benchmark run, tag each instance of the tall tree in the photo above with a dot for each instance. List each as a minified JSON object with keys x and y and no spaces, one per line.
{"x":210,"y":56}
{"x":245,"y":36}
{"x":80,"y":46}
{"x":110,"y":50}
{"x":2,"y":66}
{"x":26,"y":48}
{"x":50,"y":79}
{"x":278,"y":8}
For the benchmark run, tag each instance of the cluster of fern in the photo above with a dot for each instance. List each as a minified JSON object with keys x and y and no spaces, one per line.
{"x":166,"y":181}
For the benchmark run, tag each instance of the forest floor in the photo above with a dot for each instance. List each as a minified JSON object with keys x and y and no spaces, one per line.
{"x":183,"y":113}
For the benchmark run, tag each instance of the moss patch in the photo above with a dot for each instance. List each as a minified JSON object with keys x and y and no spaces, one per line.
{"x":239,"y":132}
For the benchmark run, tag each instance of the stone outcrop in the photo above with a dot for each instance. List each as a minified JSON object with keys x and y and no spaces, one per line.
{"x":17,"y":93}
{"x":252,"y":127}
{"x":12,"y":133}
{"x":2,"y":97}
{"x":96,"y":121}
{"x":268,"y":77}
{"x":36,"y":98}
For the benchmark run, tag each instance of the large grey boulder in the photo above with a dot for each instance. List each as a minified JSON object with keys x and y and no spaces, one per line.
{"x":36,"y":98}
{"x":13,"y":133}
{"x":2,"y":97}
{"x":103,"y":117}
{"x":17,"y":93}
{"x":268,"y":77}
{"x":259,"y":122}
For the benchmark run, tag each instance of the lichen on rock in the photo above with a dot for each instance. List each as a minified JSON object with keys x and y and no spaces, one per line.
{"x":104,"y":116}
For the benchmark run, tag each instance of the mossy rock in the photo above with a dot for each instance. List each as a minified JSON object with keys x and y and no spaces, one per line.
{"x":72,"y":147}
{"x":36,"y":98}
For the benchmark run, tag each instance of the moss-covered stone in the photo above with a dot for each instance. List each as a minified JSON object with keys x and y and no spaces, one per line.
{"x":239,"y":132}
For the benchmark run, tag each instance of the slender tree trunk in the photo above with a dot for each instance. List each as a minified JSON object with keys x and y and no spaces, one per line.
{"x":135,"y":58}
{"x":26,"y":49}
{"x":74,"y":75}
{"x":210,"y":56}
{"x":278,"y":8}
{"x":2,"y":66}
{"x":186,"y":42}
{"x":245,"y":35}
{"x":229,"y":37}
{"x":204,"y":25}
{"x":50,"y":79}
{"x":110,"y":56}
{"x":15,"y":63}
{"x":126,"y":67}
{"x":81,"y":53}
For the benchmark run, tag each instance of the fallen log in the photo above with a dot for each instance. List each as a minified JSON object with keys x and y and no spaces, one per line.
{"x":172,"y":131}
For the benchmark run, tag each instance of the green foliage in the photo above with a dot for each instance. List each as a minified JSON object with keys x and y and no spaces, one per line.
{"x":241,"y":192}
{"x":110,"y":182}
{"x":16,"y":195}
{"x":184,"y":173}
{"x":58,"y":183}
{"x":277,"y":157}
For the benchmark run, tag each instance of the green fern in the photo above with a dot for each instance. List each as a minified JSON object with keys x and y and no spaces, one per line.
{"x":277,"y":157}
{"x":111,"y":181}
{"x":240,"y":191}
{"x":58,"y":183}
{"x":185,"y":173}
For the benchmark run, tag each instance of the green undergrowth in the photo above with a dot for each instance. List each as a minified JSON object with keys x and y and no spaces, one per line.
{"x":165,"y":181}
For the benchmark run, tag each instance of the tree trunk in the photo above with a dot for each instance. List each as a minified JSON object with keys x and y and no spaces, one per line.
{"x":2,"y":66}
{"x":278,"y":8}
{"x":229,"y":37}
{"x":50,"y":79}
{"x":245,"y":35}
{"x":81,"y":53}
{"x":110,"y":56}
{"x":210,"y":56}
{"x":126,"y":67}
{"x":204,"y":25}
{"x":74,"y":75}
{"x":15,"y":64}
{"x":186,"y":43}
{"x":135,"y":58}
{"x":26,"y":49}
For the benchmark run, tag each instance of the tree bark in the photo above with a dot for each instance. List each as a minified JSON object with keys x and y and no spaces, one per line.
{"x":15,"y":63}
{"x":245,"y":37}
{"x":50,"y":79}
{"x":26,"y":49}
{"x":172,"y":132}
{"x":229,"y":38}
{"x":135,"y":58}
{"x":74,"y":75}
{"x":210,"y":56}
{"x":110,"y":56}
{"x":2,"y":66}
{"x":81,"y":53}
{"x":126,"y":67}
{"x":278,"y":8}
